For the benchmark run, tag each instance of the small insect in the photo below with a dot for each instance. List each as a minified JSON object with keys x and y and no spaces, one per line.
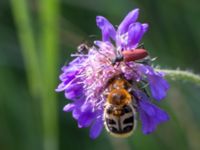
{"x":130,"y":55}
{"x":83,"y":48}
{"x":119,"y":112}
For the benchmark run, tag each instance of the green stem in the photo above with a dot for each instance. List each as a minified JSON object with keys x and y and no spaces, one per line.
{"x":28,"y":46}
{"x":41,"y":77}
{"x":49,"y":18}
{"x":181,"y":75}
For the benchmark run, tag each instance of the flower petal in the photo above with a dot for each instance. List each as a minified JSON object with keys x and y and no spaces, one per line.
{"x":76,"y":113}
{"x":145,"y":27}
{"x":135,"y":34}
{"x":67,"y":77}
{"x":72,"y":95}
{"x":150,"y":115}
{"x":61,"y":87}
{"x":86,"y":119}
{"x":73,"y":91}
{"x":107,"y":29}
{"x":96,"y":128}
{"x":129,"y":19}
{"x":158,"y":86}
{"x":69,"y":107}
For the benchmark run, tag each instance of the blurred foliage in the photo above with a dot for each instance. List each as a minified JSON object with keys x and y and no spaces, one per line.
{"x":28,"y":119}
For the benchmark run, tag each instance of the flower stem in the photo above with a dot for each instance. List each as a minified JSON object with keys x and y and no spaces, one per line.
{"x":28,"y":45}
{"x":49,"y":21}
{"x":181,"y":75}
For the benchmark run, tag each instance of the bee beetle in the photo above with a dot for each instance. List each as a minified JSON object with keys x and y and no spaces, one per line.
{"x":119,"y":112}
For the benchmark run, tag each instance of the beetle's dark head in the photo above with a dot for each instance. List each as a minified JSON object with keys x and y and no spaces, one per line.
{"x":119,"y":57}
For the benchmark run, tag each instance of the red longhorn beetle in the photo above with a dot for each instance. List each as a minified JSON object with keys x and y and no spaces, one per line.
{"x":136,"y":54}
{"x":130,"y":55}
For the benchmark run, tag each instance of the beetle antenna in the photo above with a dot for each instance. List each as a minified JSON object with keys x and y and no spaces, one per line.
{"x":141,"y":45}
{"x":103,"y":54}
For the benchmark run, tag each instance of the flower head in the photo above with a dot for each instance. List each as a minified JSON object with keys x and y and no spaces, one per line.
{"x":85,"y":79}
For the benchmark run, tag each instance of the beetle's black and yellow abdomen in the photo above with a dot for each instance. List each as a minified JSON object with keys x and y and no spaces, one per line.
{"x":120,"y":122}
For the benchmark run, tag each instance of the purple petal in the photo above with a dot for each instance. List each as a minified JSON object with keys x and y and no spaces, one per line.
{"x":86,"y":119}
{"x":61,"y":87}
{"x":142,"y":69}
{"x":129,"y":19}
{"x":151,"y":116}
{"x":96,"y":128}
{"x":122,"y":40}
{"x":69,"y":107}
{"x":77,"y":61}
{"x":73,"y":86}
{"x":86,"y":107}
{"x":86,"y":114}
{"x":158,"y":86}
{"x":72,"y":95}
{"x":67,"y":77}
{"x":73,"y":91}
{"x":135,"y":34}
{"x":149,"y":110}
{"x":145,"y":27}
{"x":76,"y":113}
{"x":107,"y":29}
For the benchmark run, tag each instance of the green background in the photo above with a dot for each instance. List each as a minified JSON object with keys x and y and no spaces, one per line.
{"x":36,"y":39}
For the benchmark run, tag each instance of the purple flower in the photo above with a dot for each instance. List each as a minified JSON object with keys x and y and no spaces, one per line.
{"x":128,"y":34}
{"x":85,"y":79}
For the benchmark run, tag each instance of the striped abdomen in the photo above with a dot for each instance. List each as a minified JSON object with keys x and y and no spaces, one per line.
{"x":120,"y":121}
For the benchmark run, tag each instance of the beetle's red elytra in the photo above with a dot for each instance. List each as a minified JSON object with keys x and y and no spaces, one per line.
{"x":136,"y":54}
